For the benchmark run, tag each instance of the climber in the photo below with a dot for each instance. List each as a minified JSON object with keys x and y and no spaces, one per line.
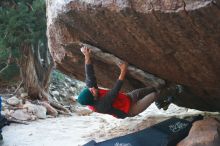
{"x":113,"y":102}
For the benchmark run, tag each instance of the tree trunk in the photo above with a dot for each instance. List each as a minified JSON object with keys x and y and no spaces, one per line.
{"x":35,"y":71}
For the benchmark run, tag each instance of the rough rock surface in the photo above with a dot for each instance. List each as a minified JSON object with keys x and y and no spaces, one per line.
{"x":203,"y":133}
{"x":176,"y":41}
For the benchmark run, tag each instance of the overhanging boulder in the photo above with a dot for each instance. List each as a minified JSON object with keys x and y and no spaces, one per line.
{"x":175,"y":41}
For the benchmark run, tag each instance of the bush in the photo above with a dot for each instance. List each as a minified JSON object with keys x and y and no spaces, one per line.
{"x":58,"y":76}
{"x":10,"y":74}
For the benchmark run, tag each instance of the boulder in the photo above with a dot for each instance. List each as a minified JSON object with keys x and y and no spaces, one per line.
{"x":203,"y":133}
{"x":38,"y":110}
{"x":13,"y":101}
{"x":21,"y":115}
{"x":163,"y":41}
{"x":41,"y":112}
{"x":23,"y":95}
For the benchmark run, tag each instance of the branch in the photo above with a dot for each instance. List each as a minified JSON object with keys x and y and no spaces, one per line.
{"x":8,"y":61}
{"x":29,"y":6}
{"x":153,"y":12}
{"x":59,"y":106}
{"x":45,"y":96}
{"x":1,"y":71}
{"x":36,"y":50}
{"x":18,"y":87}
{"x":138,"y":74}
{"x":13,"y":120}
{"x":63,"y":113}
{"x":184,"y":7}
{"x":37,"y":61}
{"x":50,"y":110}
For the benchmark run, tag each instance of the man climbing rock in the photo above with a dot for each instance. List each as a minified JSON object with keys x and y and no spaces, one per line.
{"x":114,"y":102}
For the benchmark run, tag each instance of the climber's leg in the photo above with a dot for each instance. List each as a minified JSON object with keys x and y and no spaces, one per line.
{"x":141,"y":104}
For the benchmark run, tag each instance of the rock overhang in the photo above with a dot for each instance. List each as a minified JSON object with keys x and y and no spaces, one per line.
{"x":176,"y":41}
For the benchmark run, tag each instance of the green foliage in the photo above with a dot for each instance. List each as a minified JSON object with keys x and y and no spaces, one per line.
{"x":58,"y":76}
{"x":22,"y":21}
{"x":4,"y":55}
{"x":11,"y":72}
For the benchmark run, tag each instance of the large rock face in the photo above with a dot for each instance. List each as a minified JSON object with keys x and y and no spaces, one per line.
{"x":174,"y":40}
{"x":203,"y":133}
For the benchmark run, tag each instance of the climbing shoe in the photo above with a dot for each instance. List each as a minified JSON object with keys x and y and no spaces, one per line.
{"x":164,"y":104}
{"x":166,"y":96}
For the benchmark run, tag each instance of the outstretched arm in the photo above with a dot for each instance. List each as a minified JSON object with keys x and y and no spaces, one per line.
{"x":106,"y":102}
{"x":123,"y":67}
{"x":117,"y":87}
{"x":89,"y":71}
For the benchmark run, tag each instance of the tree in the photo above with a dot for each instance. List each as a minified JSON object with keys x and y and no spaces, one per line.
{"x":23,"y":30}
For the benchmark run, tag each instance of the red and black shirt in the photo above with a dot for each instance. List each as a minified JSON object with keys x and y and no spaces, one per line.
{"x":109,"y":101}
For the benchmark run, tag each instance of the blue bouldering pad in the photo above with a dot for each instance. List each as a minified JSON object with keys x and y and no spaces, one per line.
{"x":166,"y":133}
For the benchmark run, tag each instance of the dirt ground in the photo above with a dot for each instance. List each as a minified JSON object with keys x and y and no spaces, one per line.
{"x":78,"y":130}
